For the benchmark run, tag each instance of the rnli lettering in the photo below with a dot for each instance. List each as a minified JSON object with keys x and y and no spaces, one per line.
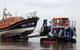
{"x":28,"y":24}
{"x":23,"y":25}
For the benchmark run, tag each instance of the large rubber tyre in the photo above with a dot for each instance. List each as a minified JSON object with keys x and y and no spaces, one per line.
{"x":61,"y":40}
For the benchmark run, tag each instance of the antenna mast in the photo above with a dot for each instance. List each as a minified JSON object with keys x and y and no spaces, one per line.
{"x":4,"y":13}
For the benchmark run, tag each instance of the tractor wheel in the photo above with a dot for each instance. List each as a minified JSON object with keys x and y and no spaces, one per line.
{"x":73,"y":40}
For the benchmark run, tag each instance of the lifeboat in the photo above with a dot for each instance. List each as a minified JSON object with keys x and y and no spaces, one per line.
{"x":14,"y":25}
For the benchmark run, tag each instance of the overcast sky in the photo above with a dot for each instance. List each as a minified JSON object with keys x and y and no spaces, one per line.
{"x":45,"y":8}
